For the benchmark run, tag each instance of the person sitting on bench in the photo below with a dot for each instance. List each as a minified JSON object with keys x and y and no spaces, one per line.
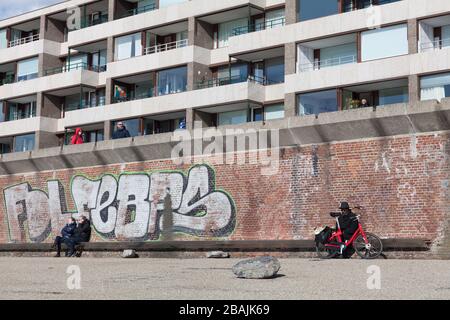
{"x":82,"y":234}
{"x":66,"y":233}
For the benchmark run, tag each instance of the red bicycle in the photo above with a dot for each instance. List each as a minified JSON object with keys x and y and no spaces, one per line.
{"x":330,"y":244}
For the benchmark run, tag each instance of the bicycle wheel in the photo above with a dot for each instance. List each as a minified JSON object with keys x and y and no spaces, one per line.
{"x":326,"y":252}
{"x":372,"y":250}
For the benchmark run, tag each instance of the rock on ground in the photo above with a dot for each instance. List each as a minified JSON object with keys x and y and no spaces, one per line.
{"x":127,"y":254}
{"x":217,"y":255}
{"x":257,"y":268}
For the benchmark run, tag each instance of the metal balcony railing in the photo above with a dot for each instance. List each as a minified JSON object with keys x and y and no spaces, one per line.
{"x":21,"y":41}
{"x":328,"y":63}
{"x":18,"y":115}
{"x":434,"y":45}
{"x":7,"y":80}
{"x":217,"y":82}
{"x":166,"y":47}
{"x":140,"y":10}
{"x":259,"y":26}
{"x":72,"y":67}
{"x":134,"y":97}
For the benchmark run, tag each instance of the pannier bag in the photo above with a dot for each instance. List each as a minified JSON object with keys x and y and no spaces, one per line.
{"x":322,"y":234}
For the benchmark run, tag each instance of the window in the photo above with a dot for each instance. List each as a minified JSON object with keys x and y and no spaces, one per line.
{"x":337,"y":55}
{"x":239,"y":73}
{"x":274,"y":112}
{"x":3,"y":39}
{"x":131,"y":125}
{"x":393,"y":95}
{"x":318,"y":102}
{"x":275,"y":70}
{"x":435,"y":87}
{"x":77,"y":62}
{"x":257,"y":114}
{"x":172,"y":81}
{"x":232,"y":117}
{"x":274,"y":18}
{"x":128,"y":46}
{"x":166,"y":3}
{"x":2,"y":111}
{"x":312,"y":9}
{"x":24,"y":143}
{"x":19,"y":111}
{"x":226,"y":31}
{"x":27,"y":69}
{"x":384,"y":42}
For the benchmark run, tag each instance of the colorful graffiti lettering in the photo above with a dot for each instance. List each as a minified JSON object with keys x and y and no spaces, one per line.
{"x":129,"y":207}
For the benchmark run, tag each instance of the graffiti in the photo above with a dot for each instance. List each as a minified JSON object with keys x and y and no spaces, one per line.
{"x":129,"y":207}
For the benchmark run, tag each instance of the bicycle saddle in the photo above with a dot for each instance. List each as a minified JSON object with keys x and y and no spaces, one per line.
{"x":335,"y":214}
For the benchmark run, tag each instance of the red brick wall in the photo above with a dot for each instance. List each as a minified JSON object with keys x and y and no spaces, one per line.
{"x":401,"y":182}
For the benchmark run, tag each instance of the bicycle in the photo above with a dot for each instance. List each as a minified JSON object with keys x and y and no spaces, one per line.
{"x":367,"y":245}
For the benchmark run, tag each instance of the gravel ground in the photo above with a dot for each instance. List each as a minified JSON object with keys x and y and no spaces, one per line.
{"x":203,"y":279}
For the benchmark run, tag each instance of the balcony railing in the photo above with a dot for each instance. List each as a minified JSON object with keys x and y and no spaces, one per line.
{"x":87,"y":21}
{"x":18,"y":115}
{"x":166,"y":47}
{"x":21,"y":41}
{"x":133,"y":12}
{"x":217,"y":82}
{"x":72,"y":67}
{"x":434,"y":45}
{"x":259,"y":26}
{"x":132,"y":98}
{"x":7,"y":80}
{"x":328,"y":63}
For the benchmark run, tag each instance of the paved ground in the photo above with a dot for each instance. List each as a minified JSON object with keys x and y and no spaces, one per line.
{"x":186,"y":279}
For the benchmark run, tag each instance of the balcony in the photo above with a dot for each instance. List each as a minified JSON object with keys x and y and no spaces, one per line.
{"x":316,"y":65}
{"x":73,"y":67}
{"x":93,"y":20}
{"x":435,"y":45}
{"x":434,"y":33}
{"x":21,"y":41}
{"x":166,"y":47}
{"x":139,"y":10}
{"x":259,"y":26}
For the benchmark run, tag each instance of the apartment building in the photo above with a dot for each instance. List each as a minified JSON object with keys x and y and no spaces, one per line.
{"x":160,"y":65}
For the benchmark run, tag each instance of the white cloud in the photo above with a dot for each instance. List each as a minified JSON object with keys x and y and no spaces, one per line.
{"x":9,"y":8}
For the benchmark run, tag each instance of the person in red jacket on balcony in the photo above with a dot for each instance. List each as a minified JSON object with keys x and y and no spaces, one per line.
{"x":77,"y":138}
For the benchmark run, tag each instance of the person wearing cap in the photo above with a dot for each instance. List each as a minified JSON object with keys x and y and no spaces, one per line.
{"x":347,"y":221}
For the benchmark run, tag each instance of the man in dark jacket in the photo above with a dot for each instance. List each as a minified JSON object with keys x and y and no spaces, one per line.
{"x":81,"y":234}
{"x":349,"y":224}
{"x":66,"y":233}
{"x":121,"y":132}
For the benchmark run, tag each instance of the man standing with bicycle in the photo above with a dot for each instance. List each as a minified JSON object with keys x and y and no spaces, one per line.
{"x":348,"y":222}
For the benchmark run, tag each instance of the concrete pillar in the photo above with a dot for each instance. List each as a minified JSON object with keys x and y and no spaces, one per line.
{"x":51,"y":106}
{"x":290,"y":58}
{"x":111,"y":9}
{"x":189,"y":119}
{"x":52,"y":29}
{"x":200,"y":33}
{"x":107,"y":130}
{"x":109,"y":91}
{"x":291,"y":10}
{"x":110,"y":49}
{"x":414,"y":89}
{"x":290,"y":105}
{"x":197,"y":73}
{"x":413,"y":39}
{"x":47,"y":62}
{"x":44,"y":139}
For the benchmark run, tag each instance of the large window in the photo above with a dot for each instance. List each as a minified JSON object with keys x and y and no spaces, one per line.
{"x":27,"y":69}
{"x":435,"y":87}
{"x":275,"y":70}
{"x":273,"y":112}
{"x":128,"y":47}
{"x":393,"y":95}
{"x":24,"y":143}
{"x":226,"y":31}
{"x":318,"y":102}
{"x":172,"y":81}
{"x":233,"y":117}
{"x":311,"y":9}
{"x":239,"y":73}
{"x":384,"y":42}
{"x":132,"y":125}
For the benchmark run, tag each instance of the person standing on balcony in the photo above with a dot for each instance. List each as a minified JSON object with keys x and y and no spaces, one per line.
{"x":77,"y":138}
{"x":121,"y":132}
{"x":364,"y":103}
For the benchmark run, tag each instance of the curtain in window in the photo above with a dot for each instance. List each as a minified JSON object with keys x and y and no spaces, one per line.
{"x":274,"y":112}
{"x":24,"y":143}
{"x":226,"y":30}
{"x":172,"y":81}
{"x":27,"y":69}
{"x":434,"y":87}
{"x":435,"y":93}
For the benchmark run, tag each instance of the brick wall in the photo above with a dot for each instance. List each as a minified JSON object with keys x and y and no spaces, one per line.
{"x":401,"y":182}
